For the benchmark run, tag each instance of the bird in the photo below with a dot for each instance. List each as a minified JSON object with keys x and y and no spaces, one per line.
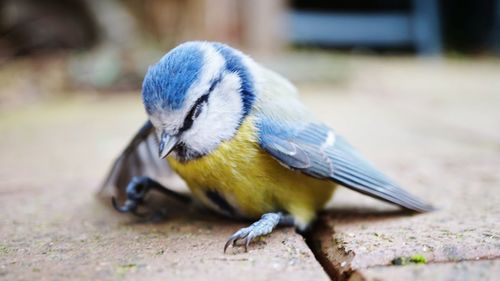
{"x":239,"y":136}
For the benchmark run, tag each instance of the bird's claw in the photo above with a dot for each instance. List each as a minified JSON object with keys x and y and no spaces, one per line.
{"x":246,"y":234}
{"x":136,"y":191}
{"x":263,"y":226}
{"x":130,"y":206}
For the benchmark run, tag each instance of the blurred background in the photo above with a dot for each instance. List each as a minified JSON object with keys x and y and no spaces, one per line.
{"x":57,"y":47}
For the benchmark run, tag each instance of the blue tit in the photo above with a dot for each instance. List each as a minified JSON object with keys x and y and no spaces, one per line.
{"x":238,"y":135}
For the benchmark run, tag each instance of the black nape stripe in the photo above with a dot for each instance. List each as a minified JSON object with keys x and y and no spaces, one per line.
{"x":220,"y":201}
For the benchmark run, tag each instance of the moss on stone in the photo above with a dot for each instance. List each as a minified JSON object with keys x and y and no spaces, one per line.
{"x":415,"y":259}
{"x":418,"y":259}
{"x":122,"y":269}
{"x":4,"y":249}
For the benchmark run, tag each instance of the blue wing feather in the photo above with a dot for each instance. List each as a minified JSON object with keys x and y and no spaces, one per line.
{"x":306,"y":149}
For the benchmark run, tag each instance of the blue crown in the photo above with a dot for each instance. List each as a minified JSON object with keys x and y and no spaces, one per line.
{"x":167,"y":82}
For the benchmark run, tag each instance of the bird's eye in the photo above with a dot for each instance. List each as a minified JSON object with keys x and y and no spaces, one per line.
{"x":194,"y":112}
{"x":197,"y":111}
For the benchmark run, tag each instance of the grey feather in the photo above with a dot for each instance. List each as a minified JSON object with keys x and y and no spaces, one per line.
{"x":338,"y":162}
{"x":286,"y":152}
{"x":139,"y":158}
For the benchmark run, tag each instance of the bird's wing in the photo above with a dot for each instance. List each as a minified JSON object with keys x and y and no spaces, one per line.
{"x":317,"y":151}
{"x":140,"y":158}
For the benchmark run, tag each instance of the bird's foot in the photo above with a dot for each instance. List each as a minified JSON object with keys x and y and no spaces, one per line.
{"x":136,"y":192}
{"x":262,"y":227}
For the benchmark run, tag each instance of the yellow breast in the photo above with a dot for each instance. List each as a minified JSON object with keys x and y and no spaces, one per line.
{"x":251,"y":182}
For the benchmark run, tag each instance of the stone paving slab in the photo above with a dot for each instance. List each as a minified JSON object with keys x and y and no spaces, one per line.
{"x":428,"y":125}
{"x":437,"y":143}
{"x":486,"y":270}
{"x":53,"y":227}
{"x":88,"y":242}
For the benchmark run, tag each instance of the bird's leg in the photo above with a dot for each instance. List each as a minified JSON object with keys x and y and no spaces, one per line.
{"x":137,"y":190}
{"x":263,"y":226}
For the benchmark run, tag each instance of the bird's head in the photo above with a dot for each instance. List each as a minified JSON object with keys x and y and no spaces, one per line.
{"x":196,"y":96}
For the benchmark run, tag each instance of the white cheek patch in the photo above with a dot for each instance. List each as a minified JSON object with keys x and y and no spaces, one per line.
{"x":219,"y":120}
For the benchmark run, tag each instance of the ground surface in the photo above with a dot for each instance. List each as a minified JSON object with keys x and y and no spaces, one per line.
{"x":433,"y":126}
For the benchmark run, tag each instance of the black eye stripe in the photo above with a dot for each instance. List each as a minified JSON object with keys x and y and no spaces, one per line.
{"x":199,"y":102}
{"x":188,"y":121}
